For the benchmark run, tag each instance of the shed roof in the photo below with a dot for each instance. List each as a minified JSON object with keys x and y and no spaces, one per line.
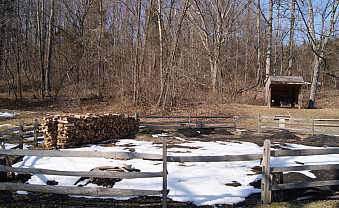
{"x":286,"y":79}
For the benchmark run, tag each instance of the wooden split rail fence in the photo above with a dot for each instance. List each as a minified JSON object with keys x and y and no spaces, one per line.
{"x":188,"y":121}
{"x":272,"y":176}
{"x":313,"y":126}
{"x":21,"y":131}
{"x":293,"y":124}
{"x":88,"y":191}
{"x":267,"y":185}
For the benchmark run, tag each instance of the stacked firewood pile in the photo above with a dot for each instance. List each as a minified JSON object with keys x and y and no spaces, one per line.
{"x":73,"y":130}
{"x":49,"y":129}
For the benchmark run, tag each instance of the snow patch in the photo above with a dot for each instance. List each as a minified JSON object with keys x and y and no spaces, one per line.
{"x":201,"y":183}
{"x":8,"y":115}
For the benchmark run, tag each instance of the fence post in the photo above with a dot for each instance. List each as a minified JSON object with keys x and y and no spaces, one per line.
{"x":3,"y":175}
{"x":35,"y":134}
{"x":189,"y":120}
{"x":6,"y":159}
{"x":235,"y":121}
{"x":265,"y":180}
{"x":259,"y":122}
{"x":312,"y":125}
{"x":137,"y":116}
{"x":164,"y":172}
{"x":21,"y":134}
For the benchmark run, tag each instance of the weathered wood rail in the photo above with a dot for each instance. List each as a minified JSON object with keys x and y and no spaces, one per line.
{"x":269,"y":176}
{"x":21,"y":134}
{"x":265,"y":123}
{"x":88,"y":191}
{"x":188,"y":121}
{"x":292,"y":124}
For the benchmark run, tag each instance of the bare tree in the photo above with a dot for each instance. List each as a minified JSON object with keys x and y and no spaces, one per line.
{"x":136,"y":72}
{"x":258,"y":68}
{"x":213,"y":21}
{"x":269,"y":48}
{"x":50,"y":48}
{"x":161,"y":67}
{"x":319,"y":39}
{"x":40,"y":6}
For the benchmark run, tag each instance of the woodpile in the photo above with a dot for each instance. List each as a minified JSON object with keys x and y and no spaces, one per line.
{"x":73,"y":130}
{"x":49,"y":130}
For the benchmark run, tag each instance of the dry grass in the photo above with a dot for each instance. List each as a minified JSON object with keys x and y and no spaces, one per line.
{"x":313,"y":204}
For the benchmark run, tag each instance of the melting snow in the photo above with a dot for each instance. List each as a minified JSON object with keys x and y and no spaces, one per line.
{"x":201,"y":183}
{"x":6,"y":114}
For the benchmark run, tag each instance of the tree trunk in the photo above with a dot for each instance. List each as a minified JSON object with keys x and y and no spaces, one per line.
{"x":99,"y":51}
{"x":40,"y":46}
{"x":276,"y":41}
{"x":161,"y":70}
{"x":319,"y":46}
{"x":214,"y":73}
{"x":291,"y":42}
{"x":316,"y":70}
{"x":18,"y":68}
{"x":258,"y":74}
{"x":136,"y":72}
{"x":269,"y":40}
{"x":269,"y":48}
{"x":50,"y":46}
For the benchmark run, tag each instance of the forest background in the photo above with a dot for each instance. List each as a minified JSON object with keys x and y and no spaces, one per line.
{"x":164,"y":53}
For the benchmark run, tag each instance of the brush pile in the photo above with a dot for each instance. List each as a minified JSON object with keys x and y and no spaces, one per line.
{"x":73,"y":130}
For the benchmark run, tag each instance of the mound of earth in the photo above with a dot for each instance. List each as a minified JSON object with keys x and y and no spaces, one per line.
{"x":223,"y":132}
{"x":189,"y":132}
{"x":285,"y":136}
{"x":199,"y":132}
{"x":323,"y":140}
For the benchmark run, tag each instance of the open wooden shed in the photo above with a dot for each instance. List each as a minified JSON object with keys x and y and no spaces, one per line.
{"x":284,"y":91}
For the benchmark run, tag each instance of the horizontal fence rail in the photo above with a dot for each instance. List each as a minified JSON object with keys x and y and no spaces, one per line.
{"x":224,"y":158}
{"x":97,"y":174}
{"x":286,"y":186}
{"x":92,"y":154}
{"x":81,"y":191}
